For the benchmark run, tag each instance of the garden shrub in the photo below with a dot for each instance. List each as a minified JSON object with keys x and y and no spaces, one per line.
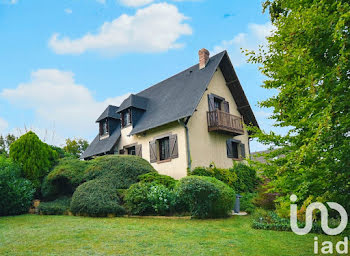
{"x":96,"y":198}
{"x":156,"y":178}
{"x":162,"y":199}
{"x":246,"y":202}
{"x":66,"y":176}
{"x":59,"y":206}
{"x":150,"y":198}
{"x":264,"y":198}
{"x":207,"y":197}
{"x":16,"y":193}
{"x":225,"y":175}
{"x":136,"y":199}
{"x":247,"y":179}
{"x":120,"y":170}
{"x":269,"y":220}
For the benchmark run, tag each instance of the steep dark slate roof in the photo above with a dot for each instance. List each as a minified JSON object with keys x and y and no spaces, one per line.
{"x":110,"y":111}
{"x":172,"y":99}
{"x":98,"y":146}
{"x":178,"y":96}
{"x":134,"y":101}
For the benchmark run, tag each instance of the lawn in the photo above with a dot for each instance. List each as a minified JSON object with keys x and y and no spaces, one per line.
{"x":67,"y":235}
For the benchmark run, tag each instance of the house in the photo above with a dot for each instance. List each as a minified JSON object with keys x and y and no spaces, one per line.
{"x":191,"y":119}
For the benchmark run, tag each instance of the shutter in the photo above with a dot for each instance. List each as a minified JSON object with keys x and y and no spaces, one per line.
{"x":242,"y":148}
{"x":138,"y":150}
{"x":122,"y":119}
{"x":100,"y":123}
{"x":226,"y":106}
{"x":211,"y":102}
{"x":229,"y":148}
{"x":174,"y":151}
{"x":152,"y":151}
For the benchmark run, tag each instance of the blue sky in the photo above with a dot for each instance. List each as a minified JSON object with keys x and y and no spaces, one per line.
{"x":63,"y":61}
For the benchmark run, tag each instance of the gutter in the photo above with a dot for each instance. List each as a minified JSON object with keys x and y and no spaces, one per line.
{"x":184,"y":124}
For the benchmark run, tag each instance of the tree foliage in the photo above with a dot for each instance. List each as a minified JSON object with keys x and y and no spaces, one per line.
{"x":35,"y":157}
{"x":75,"y":147}
{"x":5,"y":143}
{"x":307,"y":63}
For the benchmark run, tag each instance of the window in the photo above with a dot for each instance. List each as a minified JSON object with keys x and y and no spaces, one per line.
{"x":164,"y":153}
{"x":235,"y":149}
{"x":126,"y":118}
{"x":131,"y":151}
{"x":217,"y":104}
{"x":163,"y":148}
{"x":104,"y":127}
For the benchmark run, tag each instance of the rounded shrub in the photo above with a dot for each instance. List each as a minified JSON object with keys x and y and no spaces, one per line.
{"x":67,"y":175}
{"x":16,"y":193}
{"x":207,"y":197}
{"x":120,"y":170}
{"x":156,"y":178}
{"x":96,"y":198}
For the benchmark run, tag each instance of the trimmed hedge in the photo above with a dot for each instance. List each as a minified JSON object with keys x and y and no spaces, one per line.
{"x":16,"y":193}
{"x":96,"y":198}
{"x":59,"y":206}
{"x":121,"y":171}
{"x":207,"y":197}
{"x":156,"y":178}
{"x":67,"y":175}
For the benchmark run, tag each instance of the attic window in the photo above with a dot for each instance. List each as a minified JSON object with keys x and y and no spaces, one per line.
{"x":104,"y":129}
{"x":126,"y":118}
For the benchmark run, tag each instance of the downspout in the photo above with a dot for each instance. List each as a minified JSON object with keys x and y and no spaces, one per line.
{"x":184,"y":124}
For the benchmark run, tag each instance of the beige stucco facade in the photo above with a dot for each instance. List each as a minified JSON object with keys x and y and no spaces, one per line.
{"x":205,"y":147}
{"x":177,"y":167}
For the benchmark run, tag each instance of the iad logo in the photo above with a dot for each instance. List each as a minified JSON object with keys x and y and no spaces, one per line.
{"x":327,"y":246}
{"x":324,"y":218}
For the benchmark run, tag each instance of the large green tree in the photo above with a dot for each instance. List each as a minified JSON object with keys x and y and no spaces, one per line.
{"x":307,"y":63}
{"x":35,"y":157}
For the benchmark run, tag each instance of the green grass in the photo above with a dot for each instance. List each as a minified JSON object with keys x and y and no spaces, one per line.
{"x":68,"y":235}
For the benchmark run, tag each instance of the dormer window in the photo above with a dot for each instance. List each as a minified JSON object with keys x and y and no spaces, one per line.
{"x":126,"y":118}
{"x":104,"y":129}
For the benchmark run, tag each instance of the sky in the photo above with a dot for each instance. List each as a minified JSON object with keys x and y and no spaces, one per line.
{"x":62,"y":62}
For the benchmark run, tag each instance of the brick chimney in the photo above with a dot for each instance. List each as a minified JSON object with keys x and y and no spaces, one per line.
{"x":203,"y":58}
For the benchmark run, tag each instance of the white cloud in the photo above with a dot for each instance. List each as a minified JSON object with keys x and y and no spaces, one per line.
{"x":251,"y":40}
{"x":3,"y":125}
{"x":101,"y":1}
{"x":155,"y":28}
{"x":60,"y":102}
{"x":8,"y":1}
{"x":68,"y":11}
{"x":135,"y":3}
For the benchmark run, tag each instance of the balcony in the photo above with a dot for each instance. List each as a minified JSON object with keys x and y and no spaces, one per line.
{"x":224,"y":122}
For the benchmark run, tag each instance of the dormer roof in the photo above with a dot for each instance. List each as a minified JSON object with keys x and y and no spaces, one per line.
{"x":111,"y":112}
{"x":134,"y":101}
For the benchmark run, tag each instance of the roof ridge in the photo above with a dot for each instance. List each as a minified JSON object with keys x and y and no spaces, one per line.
{"x":159,"y":83}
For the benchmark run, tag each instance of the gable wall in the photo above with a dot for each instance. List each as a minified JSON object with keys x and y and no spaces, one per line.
{"x":177,"y":167}
{"x":207,"y":147}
